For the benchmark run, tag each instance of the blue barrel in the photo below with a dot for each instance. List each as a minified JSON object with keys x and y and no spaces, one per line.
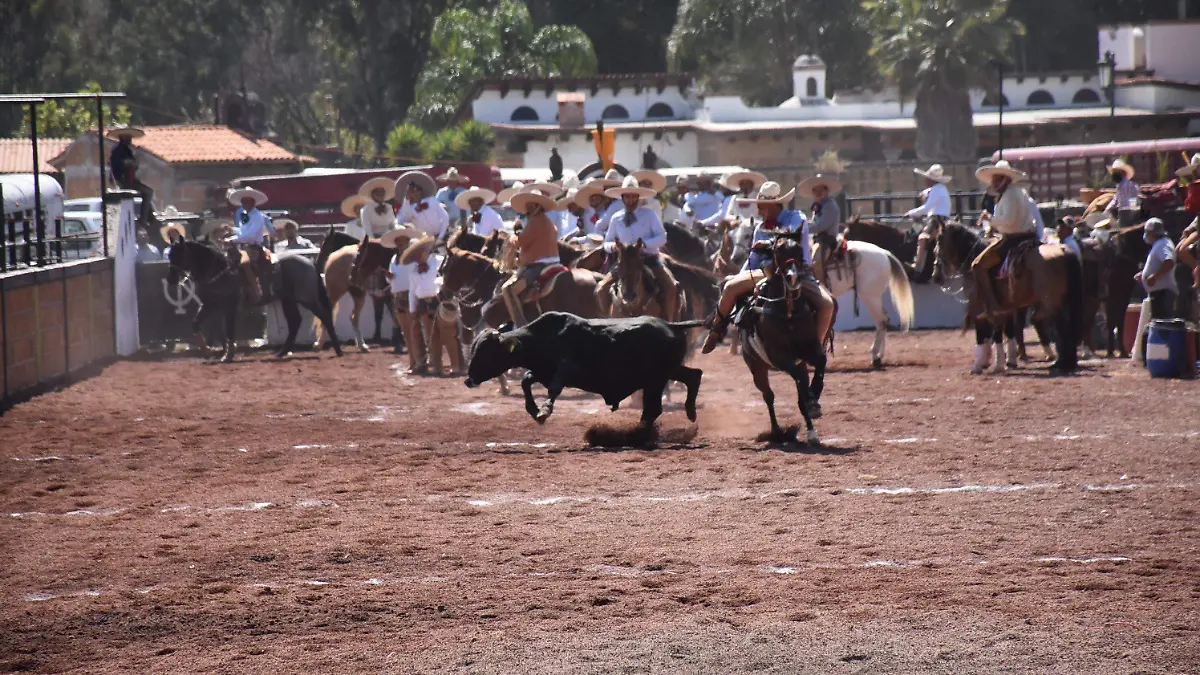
{"x":1166,"y":347}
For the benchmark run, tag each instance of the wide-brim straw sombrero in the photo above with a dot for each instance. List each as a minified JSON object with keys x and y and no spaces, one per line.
{"x":658,"y":182}
{"x":522,"y":200}
{"x":935,"y":173}
{"x":414,"y":178}
{"x":569,"y":180}
{"x":391,"y":238}
{"x":353,"y":204}
{"x":417,"y":249}
{"x":567,"y":199}
{"x":378,"y":183}
{"x":453,"y":176}
{"x":611,"y":179}
{"x":506,"y":195}
{"x":769,"y":194}
{"x":805,"y":188}
{"x":1190,"y":168}
{"x":172,"y":227}
{"x":280,"y":223}
{"x":463,"y":201}
{"x":630,"y":187}
{"x":1001,"y":168}
{"x":118,"y":132}
{"x":236,"y":196}
{"x":583,"y":195}
{"x":549,"y":189}
{"x":1122,"y":166}
{"x":734,"y":180}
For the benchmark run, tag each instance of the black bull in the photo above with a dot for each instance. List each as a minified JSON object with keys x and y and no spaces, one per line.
{"x":611,"y":357}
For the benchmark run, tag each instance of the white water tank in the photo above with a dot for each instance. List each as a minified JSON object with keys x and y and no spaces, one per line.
{"x":18,"y":194}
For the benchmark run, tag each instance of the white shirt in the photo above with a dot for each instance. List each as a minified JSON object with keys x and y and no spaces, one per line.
{"x":736,"y":211}
{"x":568,"y":224}
{"x":1127,"y":193}
{"x":253,"y":230}
{"x":489,"y":222}
{"x":1013,"y":213}
{"x":432,"y":219}
{"x":674,"y":214}
{"x":937,"y":203}
{"x":423,"y":284}
{"x":646,"y":226}
{"x":711,"y":221}
{"x":605,"y":220}
{"x":378,"y":224}
{"x":654,"y":205}
{"x":147,"y":253}
{"x":400,"y":274}
{"x":354,"y":229}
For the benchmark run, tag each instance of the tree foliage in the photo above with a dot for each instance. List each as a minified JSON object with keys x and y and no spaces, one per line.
{"x":69,"y":118}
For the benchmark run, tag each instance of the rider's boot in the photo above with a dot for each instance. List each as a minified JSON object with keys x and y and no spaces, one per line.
{"x":717,"y":326}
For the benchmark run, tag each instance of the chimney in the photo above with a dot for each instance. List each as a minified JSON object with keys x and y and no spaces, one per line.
{"x":808,"y":77}
{"x":570,"y":108}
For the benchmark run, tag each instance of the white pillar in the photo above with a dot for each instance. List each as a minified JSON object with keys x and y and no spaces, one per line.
{"x":123,"y":246}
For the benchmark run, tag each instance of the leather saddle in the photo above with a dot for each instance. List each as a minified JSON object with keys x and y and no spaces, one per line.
{"x":544,"y":284}
{"x":1015,"y":262}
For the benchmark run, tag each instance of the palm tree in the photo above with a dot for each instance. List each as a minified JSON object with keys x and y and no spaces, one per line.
{"x":477,"y":138}
{"x":407,"y":143}
{"x":935,"y":51}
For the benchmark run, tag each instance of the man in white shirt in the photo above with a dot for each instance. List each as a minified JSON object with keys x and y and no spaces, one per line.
{"x":377,"y":216}
{"x":744,"y":185}
{"x":352,"y":209}
{"x":455,"y":184}
{"x":291,"y":240}
{"x":482,"y":219}
{"x":704,"y":202}
{"x":420,"y":207}
{"x":1066,"y":234}
{"x":1013,"y":221}
{"x":400,"y":277}
{"x":1127,"y":191}
{"x":146,"y":252}
{"x":630,"y":224}
{"x":937,"y":196}
{"x":651,"y":180}
{"x":570,"y":216}
{"x":250,"y":226}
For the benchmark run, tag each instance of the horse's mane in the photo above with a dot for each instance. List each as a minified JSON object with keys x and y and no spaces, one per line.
{"x":468,"y":241}
{"x":966,"y":240}
{"x":474,"y":257}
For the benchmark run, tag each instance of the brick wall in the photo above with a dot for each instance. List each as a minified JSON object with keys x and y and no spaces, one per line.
{"x":53,"y":319}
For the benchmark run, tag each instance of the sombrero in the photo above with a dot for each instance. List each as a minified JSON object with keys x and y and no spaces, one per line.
{"x":506,"y":195}
{"x":118,"y":132}
{"x":936,"y":173}
{"x":1001,"y":168}
{"x":592,"y":241}
{"x":658,"y":182}
{"x":453,"y":176}
{"x":379,"y":183}
{"x":567,"y":199}
{"x":769,"y":194}
{"x":545,"y":188}
{"x":417,"y":249}
{"x":352,"y":204}
{"x":611,"y":179}
{"x":522,"y":200}
{"x":734,"y":180}
{"x":236,"y":196}
{"x":213,"y":226}
{"x":595,"y":186}
{"x":463,"y":201}
{"x":1190,"y":170}
{"x":630,"y":186}
{"x":1094,"y":218}
{"x":391,"y":238}
{"x":279,"y":223}
{"x":419,"y":178}
{"x":1122,"y":166}
{"x":806,"y":186}
{"x":569,"y":180}
{"x":172,"y":227}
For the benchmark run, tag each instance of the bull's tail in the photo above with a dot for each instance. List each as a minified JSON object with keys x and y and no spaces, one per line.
{"x":686,"y":324}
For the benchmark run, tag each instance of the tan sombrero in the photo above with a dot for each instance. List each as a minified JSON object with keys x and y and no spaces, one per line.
{"x":521,"y":201}
{"x":630,"y":186}
{"x":1001,"y":168}
{"x":734,"y":180}
{"x":1190,"y":169}
{"x":567,"y":199}
{"x":463,"y":201}
{"x":545,"y":188}
{"x":214,"y":226}
{"x":418,"y":248}
{"x":118,"y":132}
{"x":378,"y":183}
{"x":236,"y":196}
{"x":506,"y":195}
{"x":658,"y":182}
{"x":569,"y":180}
{"x":391,"y":238}
{"x":280,"y":223}
{"x":1122,"y":166}
{"x":172,"y":227}
{"x":806,"y":186}
{"x":936,"y":173}
{"x":768,"y":194}
{"x":453,"y":176}
{"x":611,"y":179}
{"x":353,"y":204}
{"x":415,"y":177}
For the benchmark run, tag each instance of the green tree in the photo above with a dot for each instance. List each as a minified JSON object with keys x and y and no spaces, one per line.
{"x":69,"y":118}
{"x":444,"y":145}
{"x":477,"y":140}
{"x":936,"y":52}
{"x":406,"y":142}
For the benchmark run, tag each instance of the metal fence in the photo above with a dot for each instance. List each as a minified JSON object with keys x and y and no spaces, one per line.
{"x":891,"y":207}
{"x":26,"y":241}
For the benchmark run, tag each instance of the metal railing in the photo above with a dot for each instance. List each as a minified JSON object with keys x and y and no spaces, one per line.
{"x":892,"y":206}
{"x":26,"y":243}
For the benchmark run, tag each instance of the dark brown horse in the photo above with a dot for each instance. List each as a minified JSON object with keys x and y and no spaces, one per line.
{"x":901,"y":243}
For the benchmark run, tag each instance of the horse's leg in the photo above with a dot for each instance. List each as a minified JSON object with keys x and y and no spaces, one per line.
{"x":1046,"y":335}
{"x":690,"y":377}
{"x":1014,"y":332}
{"x":335,"y":288}
{"x":805,"y":398}
{"x":1021,"y":318}
{"x":292,"y":314}
{"x":324,"y":313}
{"x":197,"y":334}
{"x":377,"y":302}
{"x":360,"y":299}
{"x":998,"y":359}
{"x":230,"y":329}
{"x":527,"y":387}
{"x":758,"y":370}
{"x":875,"y":309}
{"x":983,"y":336}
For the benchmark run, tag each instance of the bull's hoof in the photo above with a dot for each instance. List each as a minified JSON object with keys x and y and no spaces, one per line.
{"x":283,"y":353}
{"x":813,"y":439}
{"x":690,"y":410}
{"x":877,"y":363}
{"x":541,"y":417}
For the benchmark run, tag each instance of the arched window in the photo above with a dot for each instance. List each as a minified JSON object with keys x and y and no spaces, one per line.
{"x":615,"y":112}
{"x":660,"y":109}
{"x":1040,"y":97}
{"x":810,"y":87}
{"x":990,"y":101}
{"x":1086,"y":96}
{"x":524,"y":114}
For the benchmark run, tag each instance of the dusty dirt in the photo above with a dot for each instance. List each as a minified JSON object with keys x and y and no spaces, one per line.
{"x":326,"y":515}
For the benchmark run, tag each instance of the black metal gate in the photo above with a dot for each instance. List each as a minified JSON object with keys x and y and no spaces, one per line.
{"x":165,"y":313}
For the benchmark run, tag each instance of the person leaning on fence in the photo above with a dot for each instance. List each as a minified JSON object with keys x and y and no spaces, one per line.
{"x":291,"y":239}
{"x":146,"y":252}
{"x":937,"y":196}
{"x":124,"y":165}
{"x":1127,"y":190}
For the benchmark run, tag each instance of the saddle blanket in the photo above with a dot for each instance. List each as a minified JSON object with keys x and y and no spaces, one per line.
{"x":1013,"y":262}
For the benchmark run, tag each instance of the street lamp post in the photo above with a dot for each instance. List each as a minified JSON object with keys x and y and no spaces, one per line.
{"x":1108,"y":81}
{"x":1000,"y":100}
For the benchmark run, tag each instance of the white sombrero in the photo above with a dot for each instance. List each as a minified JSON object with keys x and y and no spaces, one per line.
{"x":463,"y":201}
{"x":353,"y":204}
{"x":611,"y":179}
{"x":279,"y":223}
{"x":1190,"y":169}
{"x":236,"y":196}
{"x":1001,"y":168}
{"x":569,"y":180}
{"x":806,"y":186}
{"x":521,"y":201}
{"x":583,"y":195}
{"x":545,"y":188}
{"x":505,"y":196}
{"x":379,"y":183}
{"x":567,"y":199}
{"x":172,"y":227}
{"x":417,"y":248}
{"x":768,"y":194}
{"x":391,"y":238}
{"x":658,"y":182}
{"x":1122,"y":166}
{"x":419,"y":178}
{"x":118,"y":132}
{"x":734,"y":180}
{"x":453,"y":176}
{"x":630,"y":186}
{"x":936,"y":173}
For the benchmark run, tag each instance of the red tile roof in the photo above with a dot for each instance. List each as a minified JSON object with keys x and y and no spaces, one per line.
{"x":209,"y":144}
{"x":16,"y":154}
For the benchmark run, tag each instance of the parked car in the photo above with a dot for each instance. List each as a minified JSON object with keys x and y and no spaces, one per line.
{"x":81,"y":233}
{"x":93,"y":204}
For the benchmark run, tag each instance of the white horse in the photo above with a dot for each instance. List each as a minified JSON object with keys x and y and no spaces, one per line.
{"x":870,"y":271}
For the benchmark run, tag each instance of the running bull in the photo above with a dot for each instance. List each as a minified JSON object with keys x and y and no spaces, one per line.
{"x":610,"y":357}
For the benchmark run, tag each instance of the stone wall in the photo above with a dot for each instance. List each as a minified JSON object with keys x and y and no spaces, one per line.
{"x":56,"y":322}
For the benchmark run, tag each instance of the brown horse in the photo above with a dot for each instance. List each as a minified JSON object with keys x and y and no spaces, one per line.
{"x":344,"y":273}
{"x":899,"y":242}
{"x":632,"y":292}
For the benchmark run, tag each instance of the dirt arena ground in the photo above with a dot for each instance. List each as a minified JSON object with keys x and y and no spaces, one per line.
{"x":325,"y":515}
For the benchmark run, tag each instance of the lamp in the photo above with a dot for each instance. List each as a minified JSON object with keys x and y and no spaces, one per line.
{"x":1108,"y":80}
{"x":1000,"y":101}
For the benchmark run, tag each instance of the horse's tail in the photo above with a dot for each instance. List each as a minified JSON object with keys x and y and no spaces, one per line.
{"x":901,"y":291}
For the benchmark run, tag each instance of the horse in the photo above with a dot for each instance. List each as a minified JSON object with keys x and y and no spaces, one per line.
{"x":1051,"y":283}
{"x":219,"y":285}
{"x":633,"y":292}
{"x":733,"y":249}
{"x":870,"y":271}
{"x":778,"y":331}
{"x":685,"y":246}
{"x":902,"y":243}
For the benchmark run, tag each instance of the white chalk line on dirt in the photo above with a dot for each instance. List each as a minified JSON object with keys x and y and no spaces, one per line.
{"x":181,"y":508}
{"x":789,"y":569}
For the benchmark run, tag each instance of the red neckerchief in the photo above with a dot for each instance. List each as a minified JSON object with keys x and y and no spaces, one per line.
{"x":770,"y":224}
{"x":1192,"y":203}
{"x":422,"y":206}
{"x":595,"y":216}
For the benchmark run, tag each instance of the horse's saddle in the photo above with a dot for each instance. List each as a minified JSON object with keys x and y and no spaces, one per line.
{"x":1015,"y":262}
{"x":544,"y":284}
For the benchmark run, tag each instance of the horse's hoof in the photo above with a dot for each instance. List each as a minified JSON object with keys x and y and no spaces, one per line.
{"x":814,"y":410}
{"x":1013,"y":365}
{"x":541,"y":417}
{"x":812,"y":437}
{"x":877,"y":363}
{"x":364,"y":348}
{"x":283,"y":354}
